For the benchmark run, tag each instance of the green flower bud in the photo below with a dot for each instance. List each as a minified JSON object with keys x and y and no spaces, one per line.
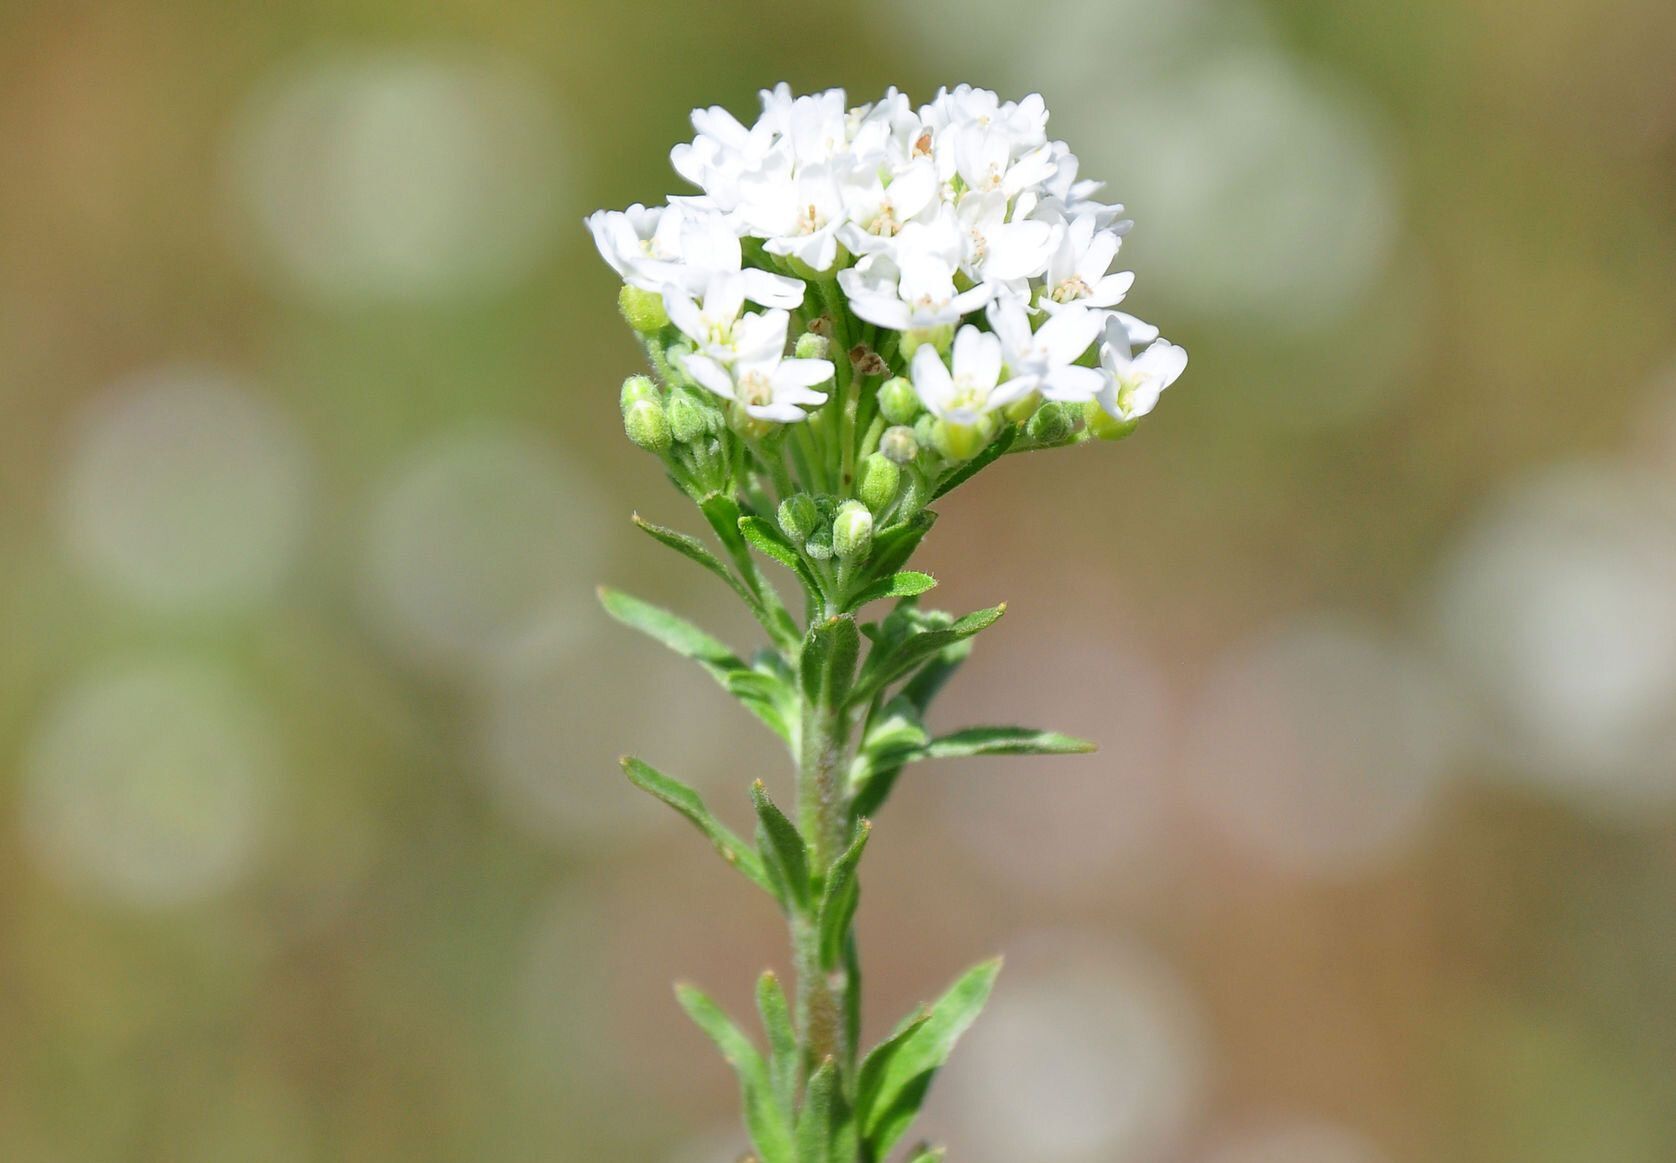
{"x":819,"y":545}
{"x":687,"y":418}
{"x":643,"y":309}
{"x":1021,"y":409}
{"x":1106,"y":426}
{"x":636,"y":389}
{"x":852,"y":530}
{"x":876,"y":480}
{"x":923,"y":428}
{"x":799,"y":516}
{"x":960,"y":441}
{"x":942,"y":338}
{"x":812,"y":346}
{"x":1051,"y":424}
{"x":916,"y":492}
{"x":898,"y":444}
{"x":647,"y":426}
{"x":898,"y":401}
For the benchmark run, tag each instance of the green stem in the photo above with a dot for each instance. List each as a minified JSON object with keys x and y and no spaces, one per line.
{"x":823,"y":817}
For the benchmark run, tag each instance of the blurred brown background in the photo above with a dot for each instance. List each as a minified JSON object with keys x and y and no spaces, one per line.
{"x":312,"y":845}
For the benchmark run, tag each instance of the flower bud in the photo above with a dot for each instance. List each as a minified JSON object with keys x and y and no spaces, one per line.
{"x":647,"y":426}
{"x":798,"y":516}
{"x":636,"y":389}
{"x":898,"y":444}
{"x":1106,"y":426}
{"x":687,"y":419}
{"x":812,"y":346}
{"x":876,"y":480}
{"x":941,"y":338}
{"x":959,"y":441}
{"x":852,"y":530}
{"x":1022,"y":408}
{"x":916,"y":492}
{"x":1050,"y":425}
{"x":819,"y":545}
{"x":923,"y":428}
{"x":898,"y":401}
{"x":642,"y":309}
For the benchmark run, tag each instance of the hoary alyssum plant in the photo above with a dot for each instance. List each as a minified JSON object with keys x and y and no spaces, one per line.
{"x":859,"y":309}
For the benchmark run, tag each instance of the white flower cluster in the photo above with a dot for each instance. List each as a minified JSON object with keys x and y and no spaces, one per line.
{"x":960,"y":226}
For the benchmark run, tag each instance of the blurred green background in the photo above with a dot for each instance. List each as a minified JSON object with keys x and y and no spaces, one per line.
{"x":312,"y":845}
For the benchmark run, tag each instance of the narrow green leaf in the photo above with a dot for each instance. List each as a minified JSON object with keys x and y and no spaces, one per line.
{"x":925,"y":1153}
{"x":886,"y":666}
{"x":828,"y":662}
{"x":771,"y":543}
{"x":874,"y":1067}
{"x":1005,"y":741}
{"x":907,"y":584}
{"x":782,"y":1038}
{"x":1003,"y":441}
{"x":759,"y":691}
{"x":870,"y":796}
{"x":841,"y":895}
{"x":722,"y":512}
{"x":695,"y":550}
{"x":767,"y":1121}
{"x":906,"y":1077}
{"x":895,"y":544}
{"x":815,"y":1120}
{"x":691,"y":805}
{"x":929,"y":680}
{"x":783,"y":848}
{"x":673,"y":631}
{"x":893,"y":734}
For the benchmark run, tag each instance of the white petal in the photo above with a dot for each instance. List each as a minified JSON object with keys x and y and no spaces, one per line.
{"x":1075,"y":384}
{"x":1068,"y":334}
{"x":932,"y":381}
{"x":772,"y":290}
{"x":802,"y":373}
{"x":709,"y":374}
{"x":684,"y":313}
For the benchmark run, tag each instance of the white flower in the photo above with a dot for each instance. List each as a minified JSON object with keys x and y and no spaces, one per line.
{"x":796,"y":214}
{"x":1076,"y":273}
{"x":1000,"y":251}
{"x":758,"y":377}
{"x":915,"y":292}
{"x":1132,"y":385}
{"x":686,"y":247}
{"x":877,"y":212}
{"x":1045,"y":360}
{"x":715,"y":325}
{"x":973,"y":389}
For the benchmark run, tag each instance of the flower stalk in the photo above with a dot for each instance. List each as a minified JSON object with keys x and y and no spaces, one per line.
{"x":862,"y":310}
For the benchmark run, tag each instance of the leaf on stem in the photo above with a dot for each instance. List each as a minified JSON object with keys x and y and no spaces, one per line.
{"x":784,"y":851}
{"x":768,"y":541}
{"x":894,"y":544}
{"x":885,"y":666}
{"x":815,"y":1122}
{"x":768,"y":1122}
{"x":690,"y":804}
{"x":840,"y":897}
{"x":907,"y":584}
{"x":782,"y":1038}
{"x":890,"y":1096}
{"x":828,"y":662}
{"x":1005,"y":741}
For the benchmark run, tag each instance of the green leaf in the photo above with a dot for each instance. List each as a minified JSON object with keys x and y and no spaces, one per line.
{"x":771,"y":543}
{"x":925,"y":1153}
{"x":895,"y":544}
{"x":722,"y":512}
{"x":768,"y":1122}
{"x":783,"y":848}
{"x":1003,"y":441}
{"x":841,"y":895}
{"x":815,"y":1122}
{"x":691,"y":805}
{"x":782,"y":1038}
{"x":907,"y":584}
{"x":929,"y":680}
{"x":695,"y":550}
{"x":1005,"y":741}
{"x":757,"y":688}
{"x":904,"y":1078}
{"x":828,"y":662}
{"x":886,"y":666}
{"x":875,"y":1067}
{"x":673,"y":631}
{"x":894,"y":733}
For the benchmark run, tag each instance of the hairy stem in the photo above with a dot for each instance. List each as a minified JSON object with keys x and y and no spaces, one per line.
{"x":823,"y":818}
